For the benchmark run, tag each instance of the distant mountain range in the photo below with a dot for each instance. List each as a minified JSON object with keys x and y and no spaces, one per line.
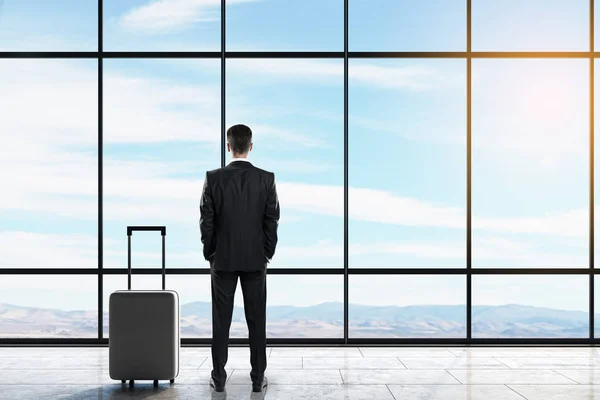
{"x":325,"y":321}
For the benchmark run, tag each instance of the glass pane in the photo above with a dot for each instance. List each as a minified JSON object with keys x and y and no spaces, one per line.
{"x":295,"y":109}
{"x":530,"y":163}
{"x":407,"y":25}
{"x":42,"y":25}
{"x":407,"y":163}
{"x":306,"y":25}
{"x":596,"y":164}
{"x":162,"y":132}
{"x":49,"y":142}
{"x":307,"y":306}
{"x":144,"y":25}
{"x":530,"y":306}
{"x":196,"y":307}
{"x":146,"y":250}
{"x":409,"y":306}
{"x":596,"y":24}
{"x":297,"y":306}
{"x":532,"y":25}
{"x":38,"y":306}
{"x":596,"y":307}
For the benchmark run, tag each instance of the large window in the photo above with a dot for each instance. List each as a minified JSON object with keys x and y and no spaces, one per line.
{"x":432,"y":160}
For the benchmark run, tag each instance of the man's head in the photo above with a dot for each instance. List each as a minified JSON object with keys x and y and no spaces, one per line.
{"x":239,"y":140}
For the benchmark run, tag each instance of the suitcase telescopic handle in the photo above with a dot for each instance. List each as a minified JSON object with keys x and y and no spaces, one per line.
{"x":130,"y":230}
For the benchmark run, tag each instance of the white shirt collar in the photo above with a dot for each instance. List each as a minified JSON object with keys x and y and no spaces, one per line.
{"x":238,"y":159}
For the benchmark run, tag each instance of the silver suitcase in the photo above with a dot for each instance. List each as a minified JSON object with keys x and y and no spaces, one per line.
{"x":144,"y":328}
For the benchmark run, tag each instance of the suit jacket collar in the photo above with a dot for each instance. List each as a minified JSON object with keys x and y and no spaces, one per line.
{"x":238,"y":159}
{"x":238,"y":163}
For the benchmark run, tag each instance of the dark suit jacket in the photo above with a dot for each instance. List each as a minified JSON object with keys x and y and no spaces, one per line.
{"x":239,"y":216}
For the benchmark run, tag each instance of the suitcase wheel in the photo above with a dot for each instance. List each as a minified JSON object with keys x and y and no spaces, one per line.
{"x":131,"y":383}
{"x":172,"y":381}
{"x":155,"y":383}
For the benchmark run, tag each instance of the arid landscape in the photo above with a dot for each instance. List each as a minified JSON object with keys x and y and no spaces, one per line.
{"x":323,"y":321}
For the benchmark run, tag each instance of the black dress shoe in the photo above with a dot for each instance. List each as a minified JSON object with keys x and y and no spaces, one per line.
{"x":214,"y":385}
{"x":259,"y":386}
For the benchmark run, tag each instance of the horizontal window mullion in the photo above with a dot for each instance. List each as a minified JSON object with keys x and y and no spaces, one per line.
{"x":316,"y":342}
{"x":307,"y":271}
{"x":206,"y":271}
{"x":296,"y":54}
{"x":530,"y":271}
{"x":531,"y":54}
{"x":49,"y":271}
{"x":49,"y":54}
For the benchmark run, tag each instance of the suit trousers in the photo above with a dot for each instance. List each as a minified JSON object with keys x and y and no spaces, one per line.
{"x":254,"y":289}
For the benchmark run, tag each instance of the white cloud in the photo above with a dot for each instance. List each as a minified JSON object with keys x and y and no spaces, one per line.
{"x":406,"y":77}
{"x":328,"y":71}
{"x":413,"y":77}
{"x":49,"y":146}
{"x":369,"y":205}
{"x":408,"y":290}
{"x":114,"y":258}
{"x":568,"y":223}
{"x":428,"y":132}
{"x":384,"y":207}
{"x":488,"y":251}
{"x":324,"y":253}
{"x":80,"y":251}
{"x":491,"y":250}
{"x":297,"y":166}
{"x":133,"y":194}
{"x":554,"y":291}
{"x":50,"y":137}
{"x":536,"y":111}
{"x":136,"y":110}
{"x":140,"y":110}
{"x":64,"y":96}
{"x":160,"y":16}
{"x":29,"y":41}
{"x":286,"y":135}
{"x":286,"y":254}
{"x":431,"y":249}
{"x":29,"y":250}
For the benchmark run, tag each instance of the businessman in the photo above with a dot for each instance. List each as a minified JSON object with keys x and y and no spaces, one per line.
{"x":239,"y":216}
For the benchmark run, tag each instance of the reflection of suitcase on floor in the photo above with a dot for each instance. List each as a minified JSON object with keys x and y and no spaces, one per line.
{"x":144,"y":328}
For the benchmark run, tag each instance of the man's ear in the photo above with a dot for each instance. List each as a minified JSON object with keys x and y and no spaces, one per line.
{"x":228,"y":148}
{"x":250,"y":149}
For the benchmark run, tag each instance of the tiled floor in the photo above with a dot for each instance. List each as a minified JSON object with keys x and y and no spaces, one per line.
{"x":369,"y":373}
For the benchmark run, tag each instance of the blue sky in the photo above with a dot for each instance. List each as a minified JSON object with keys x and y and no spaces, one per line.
{"x":407,"y":142}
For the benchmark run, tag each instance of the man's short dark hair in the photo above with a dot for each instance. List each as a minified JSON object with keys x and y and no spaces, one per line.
{"x":239,"y":138}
